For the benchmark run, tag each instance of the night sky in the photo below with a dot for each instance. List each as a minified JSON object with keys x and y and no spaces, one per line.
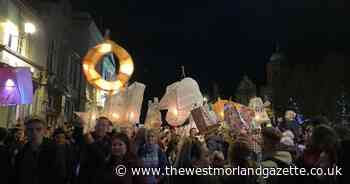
{"x":216,"y":40}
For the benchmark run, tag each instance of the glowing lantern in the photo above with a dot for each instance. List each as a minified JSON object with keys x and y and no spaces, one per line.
{"x":257,"y":105}
{"x":153,"y":118}
{"x":94,"y":55}
{"x":124,"y":108}
{"x":218,"y":108}
{"x":290,"y":115}
{"x":180,"y":99}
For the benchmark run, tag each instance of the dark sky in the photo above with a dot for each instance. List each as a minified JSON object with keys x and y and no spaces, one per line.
{"x":216,"y":40}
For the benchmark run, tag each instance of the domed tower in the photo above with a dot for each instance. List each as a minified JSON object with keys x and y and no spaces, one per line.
{"x":273,"y":67}
{"x":245,"y":90}
{"x":274,"y":74}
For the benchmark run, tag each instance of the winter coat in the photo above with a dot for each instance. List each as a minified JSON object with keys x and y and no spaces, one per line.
{"x":92,"y":159}
{"x":107,"y":175}
{"x":278,"y":159}
{"x":5,"y":166}
{"x":42,"y":166}
{"x":153,"y":157}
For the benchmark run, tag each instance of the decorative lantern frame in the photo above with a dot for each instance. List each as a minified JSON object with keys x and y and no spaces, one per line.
{"x":94,"y":56}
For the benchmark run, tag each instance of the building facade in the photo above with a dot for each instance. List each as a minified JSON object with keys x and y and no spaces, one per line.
{"x":51,"y":39}
{"x":23,"y":44}
{"x":314,"y":78}
{"x":71,"y":35}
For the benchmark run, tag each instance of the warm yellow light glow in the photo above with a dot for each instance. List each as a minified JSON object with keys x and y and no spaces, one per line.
{"x":131,"y":115}
{"x":257,"y":118}
{"x":9,"y":83}
{"x":93,"y":117}
{"x":85,"y":66}
{"x":11,"y":34}
{"x":11,"y":28}
{"x":205,"y":99}
{"x":127,"y":68}
{"x":175,"y":112}
{"x":93,"y":74}
{"x":103,"y":84}
{"x":115,"y":115}
{"x":222,"y":114}
{"x":105,"y":48}
{"x":29,"y":28}
{"x":92,"y":58}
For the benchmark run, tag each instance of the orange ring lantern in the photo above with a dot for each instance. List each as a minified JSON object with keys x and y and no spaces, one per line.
{"x":126,"y":66}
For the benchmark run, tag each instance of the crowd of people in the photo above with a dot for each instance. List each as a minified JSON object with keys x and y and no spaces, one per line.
{"x":32,"y":154}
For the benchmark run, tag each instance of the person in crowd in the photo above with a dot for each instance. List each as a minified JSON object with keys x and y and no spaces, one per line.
{"x":164,"y":140}
{"x":95,"y":151}
{"x":287,"y":144}
{"x":172,"y":147}
{"x":217,"y":159}
{"x":215,"y":142}
{"x":291,"y":124}
{"x":121,"y":154}
{"x":273,"y":157}
{"x":128,"y":130}
{"x":241,"y":154}
{"x":16,"y":142}
{"x":321,"y":152}
{"x":64,"y":160}
{"x":193,"y":154}
{"x":193,"y":133}
{"x":36,"y":162}
{"x":139,"y":140}
{"x":5,"y":158}
{"x":152,"y":156}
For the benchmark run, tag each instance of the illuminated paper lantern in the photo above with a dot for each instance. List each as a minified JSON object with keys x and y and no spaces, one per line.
{"x":180,"y":98}
{"x":233,"y":118}
{"x":94,"y":56}
{"x":153,"y":117}
{"x":124,"y":108}
{"x":290,"y":115}
{"x":247,"y":114}
{"x":218,"y":108}
{"x":258,"y":106}
{"x":202,"y":120}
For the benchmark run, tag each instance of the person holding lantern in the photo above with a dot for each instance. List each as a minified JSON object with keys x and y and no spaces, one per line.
{"x":96,"y":148}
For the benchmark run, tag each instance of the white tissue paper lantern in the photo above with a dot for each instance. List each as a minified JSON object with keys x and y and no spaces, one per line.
{"x":180,"y":98}
{"x":258,"y":106}
{"x":153,"y":117}
{"x":124,"y":108}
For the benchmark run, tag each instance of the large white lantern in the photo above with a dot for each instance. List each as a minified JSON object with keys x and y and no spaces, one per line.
{"x":180,"y":98}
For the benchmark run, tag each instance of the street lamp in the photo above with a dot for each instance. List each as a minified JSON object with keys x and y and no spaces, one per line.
{"x":29,"y":28}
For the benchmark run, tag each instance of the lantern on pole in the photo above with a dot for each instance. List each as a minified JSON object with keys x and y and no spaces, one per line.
{"x":124,"y":108}
{"x":218,"y":108}
{"x":94,"y":56}
{"x":180,"y":99}
{"x":153,"y":117}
